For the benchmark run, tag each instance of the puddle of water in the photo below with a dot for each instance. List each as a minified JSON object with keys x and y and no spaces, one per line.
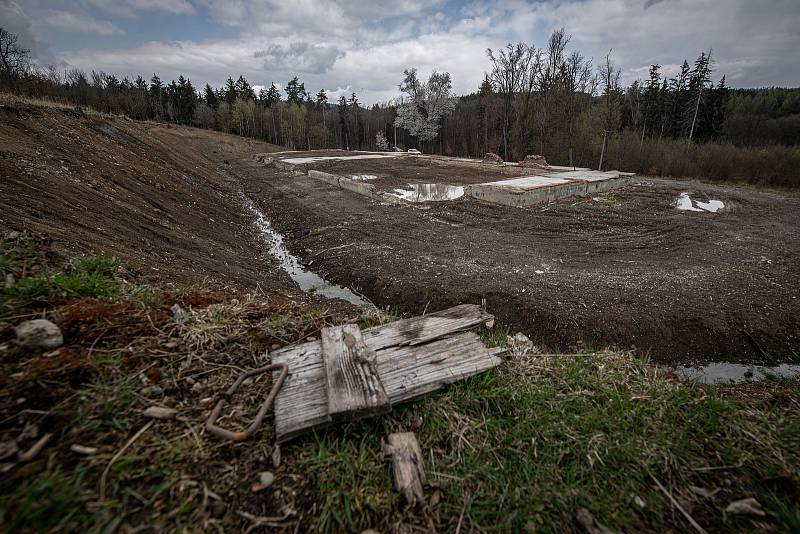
{"x":308,"y":281}
{"x":720,"y":373}
{"x":686,"y":203}
{"x":430,"y":192}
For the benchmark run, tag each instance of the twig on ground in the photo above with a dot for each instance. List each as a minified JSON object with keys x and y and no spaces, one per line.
{"x":261,"y":521}
{"x":332,"y":248}
{"x":677,"y":505}
{"x":116,"y":457}
{"x":461,"y":517}
{"x":34,"y":451}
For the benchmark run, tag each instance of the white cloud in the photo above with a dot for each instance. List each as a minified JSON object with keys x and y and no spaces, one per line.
{"x":300,"y":57}
{"x":71,"y":22}
{"x":350,"y":45}
{"x":17,"y":21}
{"x":129,"y":8}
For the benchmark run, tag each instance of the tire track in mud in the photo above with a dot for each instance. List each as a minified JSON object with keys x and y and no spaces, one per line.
{"x":680,"y":285}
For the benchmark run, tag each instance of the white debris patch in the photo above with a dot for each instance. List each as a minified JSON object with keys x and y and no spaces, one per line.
{"x":685,"y":203}
{"x":364,"y":177}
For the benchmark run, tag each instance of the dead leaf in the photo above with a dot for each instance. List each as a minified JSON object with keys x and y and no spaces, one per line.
{"x":82,"y":449}
{"x":157,"y":412}
{"x":704,"y":492}
{"x":748,"y":506}
{"x":276,"y":456}
{"x":592,"y":526}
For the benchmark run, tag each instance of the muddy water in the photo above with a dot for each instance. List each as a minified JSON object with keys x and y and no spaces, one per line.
{"x":430,"y":192}
{"x":720,"y":373}
{"x":308,"y":281}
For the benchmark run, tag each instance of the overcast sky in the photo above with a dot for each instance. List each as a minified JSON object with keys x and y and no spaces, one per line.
{"x":363,"y":46}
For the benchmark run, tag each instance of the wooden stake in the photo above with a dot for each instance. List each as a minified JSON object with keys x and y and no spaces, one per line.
{"x":409,"y":474}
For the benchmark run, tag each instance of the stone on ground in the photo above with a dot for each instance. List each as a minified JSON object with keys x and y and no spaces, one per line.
{"x":38,"y":334}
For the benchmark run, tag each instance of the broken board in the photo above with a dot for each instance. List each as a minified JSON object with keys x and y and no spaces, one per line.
{"x":412,"y":357}
{"x":353,"y":384}
{"x":409,"y":473}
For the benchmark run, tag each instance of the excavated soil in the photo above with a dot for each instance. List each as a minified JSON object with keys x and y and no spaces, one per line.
{"x":158,"y":196}
{"x":400,"y":172}
{"x":625,"y":268}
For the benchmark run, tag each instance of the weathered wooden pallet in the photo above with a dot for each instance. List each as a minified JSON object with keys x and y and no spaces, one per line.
{"x":409,"y":358}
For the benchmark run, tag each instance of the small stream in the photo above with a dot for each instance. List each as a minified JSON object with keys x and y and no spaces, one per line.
{"x":308,"y":281}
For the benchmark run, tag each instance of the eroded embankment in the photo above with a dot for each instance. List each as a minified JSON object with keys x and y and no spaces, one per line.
{"x":158,"y":196}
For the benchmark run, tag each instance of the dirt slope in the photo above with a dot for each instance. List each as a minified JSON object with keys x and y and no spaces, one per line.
{"x":158,"y":196}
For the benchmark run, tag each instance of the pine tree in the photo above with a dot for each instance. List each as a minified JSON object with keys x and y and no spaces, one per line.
{"x":322,"y":98}
{"x":295,"y":91}
{"x":355,"y":112}
{"x":229,"y":91}
{"x":157,"y":97}
{"x":342,"y":108}
{"x":244,"y":90}
{"x":210,"y":97}
{"x":485,"y":93}
{"x":651,"y":114}
{"x":273,"y":95}
{"x":700,"y":77}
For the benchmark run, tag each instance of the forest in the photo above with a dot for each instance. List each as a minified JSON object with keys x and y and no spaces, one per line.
{"x":549,"y":100}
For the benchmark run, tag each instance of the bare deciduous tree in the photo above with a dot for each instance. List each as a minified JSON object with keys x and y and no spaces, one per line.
{"x":510,"y":69}
{"x":609,"y":76}
{"x":13,"y":57}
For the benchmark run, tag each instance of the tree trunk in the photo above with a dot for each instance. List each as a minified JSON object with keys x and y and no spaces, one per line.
{"x":603,"y":151}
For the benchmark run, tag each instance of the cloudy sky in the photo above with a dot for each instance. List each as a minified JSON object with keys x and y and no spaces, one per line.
{"x":363,"y":46}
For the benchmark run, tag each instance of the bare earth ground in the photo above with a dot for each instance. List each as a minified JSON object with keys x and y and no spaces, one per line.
{"x":401,"y":171}
{"x":158,"y":197}
{"x":521,"y":448}
{"x":625,"y":268}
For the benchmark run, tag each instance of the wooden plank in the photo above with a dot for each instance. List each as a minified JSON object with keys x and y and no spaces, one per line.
{"x":407,"y":467}
{"x":426,"y":328}
{"x":407,"y":372}
{"x":301,"y":404}
{"x":354,"y":387}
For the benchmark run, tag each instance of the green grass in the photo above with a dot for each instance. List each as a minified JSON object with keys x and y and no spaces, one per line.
{"x":526,"y":446}
{"x":49,"y":501}
{"x":82,"y":277}
{"x":495,"y":337}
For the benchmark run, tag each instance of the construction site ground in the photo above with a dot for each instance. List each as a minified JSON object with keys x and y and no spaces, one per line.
{"x":544,"y":441}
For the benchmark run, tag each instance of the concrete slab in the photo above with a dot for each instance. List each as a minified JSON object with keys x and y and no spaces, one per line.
{"x":587,"y":175}
{"x":529,"y":190}
{"x":315,"y":159}
{"x":526,"y":183}
{"x":567,"y":168}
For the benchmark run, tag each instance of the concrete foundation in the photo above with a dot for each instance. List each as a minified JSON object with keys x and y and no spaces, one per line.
{"x":530,"y":190}
{"x":362,"y":188}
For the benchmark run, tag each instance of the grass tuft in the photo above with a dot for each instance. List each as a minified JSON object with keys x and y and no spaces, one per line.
{"x":81,"y":277}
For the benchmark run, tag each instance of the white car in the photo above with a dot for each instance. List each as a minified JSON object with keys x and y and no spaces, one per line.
{"x":414,"y":151}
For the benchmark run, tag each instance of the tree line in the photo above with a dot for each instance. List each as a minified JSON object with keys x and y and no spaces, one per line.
{"x":549,"y":100}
